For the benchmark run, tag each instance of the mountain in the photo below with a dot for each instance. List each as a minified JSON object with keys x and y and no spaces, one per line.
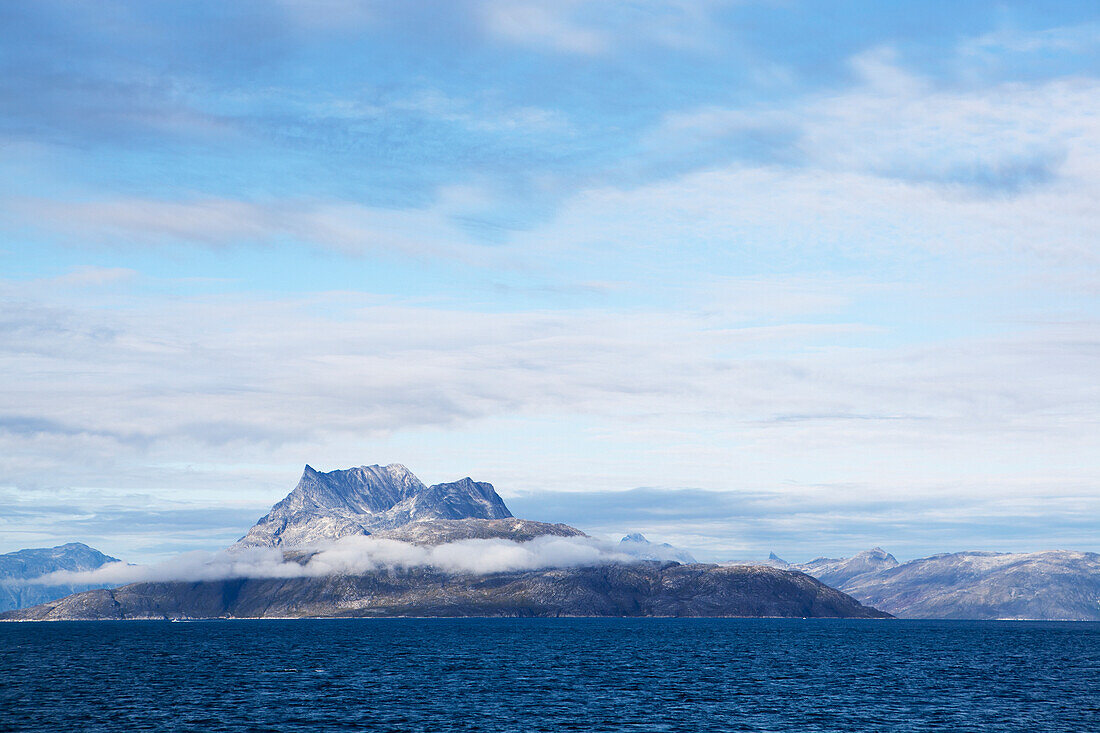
{"x":635,"y":589}
{"x":637,"y":545}
{"x":17,"y":567}
{"x":390,"y":503}
{"x":364,"y":500}
{"x":837,"y":572}
{"x":1053,"y":585}
{"x":776,"y":561}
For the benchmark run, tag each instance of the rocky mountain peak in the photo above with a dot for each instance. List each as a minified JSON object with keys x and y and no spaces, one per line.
{"x":877,"y":556}
{"x":776,"y":561}
{"x":360,"y":500}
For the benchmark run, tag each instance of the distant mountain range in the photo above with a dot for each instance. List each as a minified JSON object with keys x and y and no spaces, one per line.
{"x":967,"y":585}
{"x":16,"y":568}
{"x":390,"y":503}
{"x":636,"y":544}
{"x":642,"y":578}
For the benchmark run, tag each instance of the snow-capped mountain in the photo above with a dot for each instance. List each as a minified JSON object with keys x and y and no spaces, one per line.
{"x":365,"y":500}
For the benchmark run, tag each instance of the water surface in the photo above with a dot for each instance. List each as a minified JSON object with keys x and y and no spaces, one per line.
{"x":551,"y":675}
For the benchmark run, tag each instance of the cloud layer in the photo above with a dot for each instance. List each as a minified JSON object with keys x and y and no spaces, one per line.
{"x":358,"y":555}
{"x":591,"y":401}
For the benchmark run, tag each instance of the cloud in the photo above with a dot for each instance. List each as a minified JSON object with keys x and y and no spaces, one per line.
{"x":887,"y":282}
{"x":220,"y":223}
{"x":481,"y":113}
{"x":598,"y":27}
{"x":802,"y":216}
{"x":287,"y":372}
{"x":91,"y":277}
{"x":358,"y":555}
{"x":542,"y":24}
{"x":1005,"y":41}
{"x":140,"y":522}
{"x":895,"y":151}
{"x":400,"y":366}
{"x":895,"y":125}
{"x":441,"y":230}
{"x":155,"y":401}
{"x":804,"y":522}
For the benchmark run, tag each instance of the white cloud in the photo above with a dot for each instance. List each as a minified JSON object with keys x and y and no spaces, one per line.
{"x":892,"y":168}
{"x":741,"y":213}
{"x":347,"y":228}
{"x":994,"y":46}
{"x":484,"y":111}
{"x":589,"y":27}
{"x":87,"y":276}
{"x":357,"y":555}
{"x":542,"y":24}
{"x":897,"y":126}
{"x":95,"y":392}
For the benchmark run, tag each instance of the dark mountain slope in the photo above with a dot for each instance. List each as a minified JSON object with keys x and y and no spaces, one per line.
{"x":638,"y":589}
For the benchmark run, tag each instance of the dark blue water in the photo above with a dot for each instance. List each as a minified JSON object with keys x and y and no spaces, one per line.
{"x":550,"y":675}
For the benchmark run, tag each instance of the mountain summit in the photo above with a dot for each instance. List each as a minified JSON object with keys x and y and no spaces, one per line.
{"x":836,"y":572}
{"x":360,"y":501}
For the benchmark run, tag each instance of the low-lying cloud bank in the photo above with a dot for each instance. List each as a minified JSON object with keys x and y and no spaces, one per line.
{"x":357,"y":555}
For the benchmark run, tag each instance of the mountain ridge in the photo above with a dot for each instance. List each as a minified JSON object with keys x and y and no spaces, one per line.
{"x":837,"y":571}
{"x":366,"y":499}
{"x":1050,"y":585}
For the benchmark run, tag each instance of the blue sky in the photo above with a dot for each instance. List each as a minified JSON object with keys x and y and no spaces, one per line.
{"x":745,"y":276}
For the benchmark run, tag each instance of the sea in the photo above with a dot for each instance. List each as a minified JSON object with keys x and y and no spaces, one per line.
{"x":574,"y":674}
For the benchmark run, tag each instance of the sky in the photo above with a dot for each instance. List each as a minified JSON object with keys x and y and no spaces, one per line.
{"x":747,"y":277}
